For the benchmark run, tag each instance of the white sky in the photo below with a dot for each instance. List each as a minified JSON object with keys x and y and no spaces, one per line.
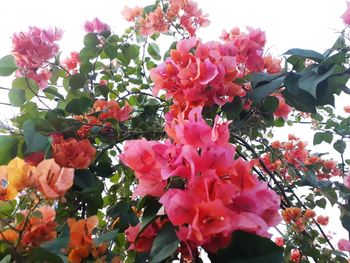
{"x":288,"y":24}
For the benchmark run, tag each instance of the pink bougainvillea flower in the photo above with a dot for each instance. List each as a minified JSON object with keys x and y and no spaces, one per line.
{"x":347,"y":109}
{"x":344,"y":245}
{"x":154,"y":22}
{"x":130,"y":14}
{"x":279,"y":241}
{"x":53,"y":181}
{"x":347,"y":181}
{"x":96,"y":26}
{"x":346,"y":15}
{"x":322,"y":220}
{"x":144,"y":241}
{"x":71,"y":63}
{"x":283,"y":109}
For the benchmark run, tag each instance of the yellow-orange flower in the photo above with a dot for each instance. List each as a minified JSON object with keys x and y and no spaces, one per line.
{"x":18,"y":174}
{"x":7,"y":191}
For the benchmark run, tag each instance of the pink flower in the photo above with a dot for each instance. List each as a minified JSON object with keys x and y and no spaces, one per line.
{"x":347,"y":108}
{"x":344,"y":245}
{"x":96,"y":26}
{"x":31,"y":49}
{"x":279,"y":241}
{"x":71,"y":63}
{"x":283,"y":109}
{"x":346,"y":15}
{"x":322,"y":220}
{"x":347,"y":181}
{"x":154,"y":22}
{"x":130,"y":14}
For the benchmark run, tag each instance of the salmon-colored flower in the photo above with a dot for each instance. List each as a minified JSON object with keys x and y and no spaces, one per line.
{"x":130,"y":14}
{"x":53,"y":181}
{"x":295,"y":255}
{"x":309,"y":214}
{"x":347,"y":109}
{"x":279,"y":241}
{"x":322,"y":220}
{"x":40,"y":227}
{"x":9,"y":235}
{"x":291,"y":213}
{"x":73,"y":153}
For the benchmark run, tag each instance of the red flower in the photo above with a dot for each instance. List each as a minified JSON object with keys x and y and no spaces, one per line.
{"x":73,"y":153}
{"x":322,"y":220}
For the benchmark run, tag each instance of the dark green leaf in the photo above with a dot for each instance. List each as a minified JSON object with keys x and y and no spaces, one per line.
{"x":339,"y":146}
{"x":249,"y":248}
{"x":153,"y":50}
{"x":318,"y":138}
{"x":321,"y":203}
{"x":35,"y":142}
{"x":328,"y":137}
{"x":41,"y":255}
{"x":149,"y":214}
{"x":165,"y":244}
{"x":78,"y":106}
{"x":55,"y":246}
{"x":306,"y":53}
{"x":107,"y":237}
{"x":7,"y":65}
{"x":8,"y":146}
{"x":77,"y":81}
{"x":30,"y":87}
{"x":270,"y":104}
{"x":110,"y":50}
{"x":53,"y":91}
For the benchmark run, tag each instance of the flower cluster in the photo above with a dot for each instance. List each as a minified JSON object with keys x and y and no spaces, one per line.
{"x":203,"y":74}
{"x":48,"y":177}
{"x":33,"y":49}
{"x":184,"y":12}
{"x":71,"y":63}
{"x":294,"y":153}
{"x":81,"y":243}
{"x":210,"y":194}
{"x":106,"y":111}
{"x":96,"y":26}
{"x":35,"y":228}
{"x":72,"y":153}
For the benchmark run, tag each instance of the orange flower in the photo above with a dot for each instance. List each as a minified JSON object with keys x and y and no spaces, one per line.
{"x":291,"y":213}
{"x":73,"y":153}
{"x":40,"y":228}
{"x":18,"y":172}
{"x":52,"y":180}
{"x":309,"y":214}
{"x":9,"y":235}
{"x":80,"y":238}
{"x":7,"y":191}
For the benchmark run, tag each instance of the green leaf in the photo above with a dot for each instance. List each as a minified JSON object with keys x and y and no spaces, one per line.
{"x":6,"y":259}
{"x":51,"y":90}
{"x":110,"y":50}
{"x":6,"y":208}
{"x":77,"y":81}
{"x":318,"y":138}
{"x":233,"y":109}
{"x":17,"y":97}
{"x":78,"y":106}
{"x":321,"y":203}
{"x":148,"y":9}
{"x":153,"y":50}
{"x":8,"y":146}
{"x":35,"y":142}
{"x":165,"y":244}
{"x":123,"y":59}
{"x":55,"y":246}
{"x":41,"y":255}
{"x":28,"y":85}
{"x":328,"y":137}
{"x":270,"y":104}
{"x":249,"y":248}
{"x":90,"y":40}
{"x":310,"y":79}
{"x":339,"y":146}
{"x":7,"y":65}
{"x":149,"y":214}
{"x":345,"y":216}
{"x":306,"y":53}
{"x":264,"y":84}
{"x":132,"y":52}
{"x":107,"y":237}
